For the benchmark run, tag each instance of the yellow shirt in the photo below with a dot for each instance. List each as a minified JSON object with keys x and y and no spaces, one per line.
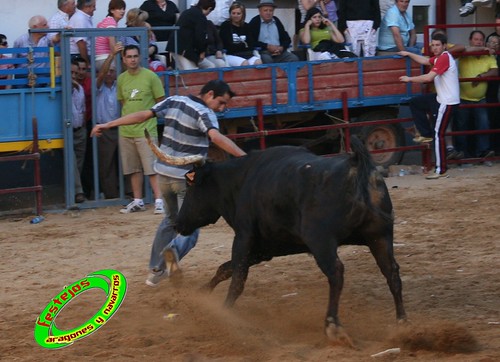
{"x":470,"y":67}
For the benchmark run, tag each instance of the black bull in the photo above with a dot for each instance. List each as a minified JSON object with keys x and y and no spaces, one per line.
{"x":286,"y":200}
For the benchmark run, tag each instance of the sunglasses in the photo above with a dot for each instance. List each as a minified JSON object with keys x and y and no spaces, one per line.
{"x":4,"y":42}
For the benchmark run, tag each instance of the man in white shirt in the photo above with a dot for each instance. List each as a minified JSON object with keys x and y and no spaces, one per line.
{"x":82,"y":18}
{"x":60,"y":20}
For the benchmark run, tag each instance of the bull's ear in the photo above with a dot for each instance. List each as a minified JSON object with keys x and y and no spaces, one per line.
{"x":190,"y":177}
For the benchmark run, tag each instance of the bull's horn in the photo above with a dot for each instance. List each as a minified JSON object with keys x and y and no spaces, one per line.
{"x":172,"y":160}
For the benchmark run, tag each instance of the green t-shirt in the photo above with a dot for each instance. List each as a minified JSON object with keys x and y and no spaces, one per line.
{"x":318,"y":35}
{"x":138,"y":92}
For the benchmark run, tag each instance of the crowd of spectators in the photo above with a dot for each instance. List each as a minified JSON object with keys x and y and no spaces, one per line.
{"x":215,"y":33}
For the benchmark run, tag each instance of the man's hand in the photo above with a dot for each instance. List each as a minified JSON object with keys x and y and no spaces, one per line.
{"x":97,"y":130}
{"x":403,"y":53}
{"x":404,"y":79}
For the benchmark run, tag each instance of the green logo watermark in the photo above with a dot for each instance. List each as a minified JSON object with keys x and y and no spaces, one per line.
{"x":115,"y":286}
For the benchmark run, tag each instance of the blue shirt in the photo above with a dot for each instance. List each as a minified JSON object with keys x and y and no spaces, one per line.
{"x":269,"y":33}
{"x":394,"y":17}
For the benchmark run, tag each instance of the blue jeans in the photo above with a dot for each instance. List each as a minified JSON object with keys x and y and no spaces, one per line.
{"x":416,"y":49}
{"x":173,"y":191}
{"x":469,"y":119}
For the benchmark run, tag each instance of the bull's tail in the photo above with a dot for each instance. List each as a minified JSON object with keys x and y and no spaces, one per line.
{"x":361,"y":160}
{"x":364,"y":172}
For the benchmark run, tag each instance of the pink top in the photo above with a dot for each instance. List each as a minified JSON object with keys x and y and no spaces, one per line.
{"x":102,"y":42}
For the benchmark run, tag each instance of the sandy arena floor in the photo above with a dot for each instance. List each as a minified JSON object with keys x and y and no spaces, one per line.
{"x":446,"y":242}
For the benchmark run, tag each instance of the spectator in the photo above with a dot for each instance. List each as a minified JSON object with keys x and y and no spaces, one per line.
{"x":323,"y":36}
{"x":191,"y":124}
{"x":103,"y":45}
{"x":397,"y":31}
{"x":444,"y":73}
{"x":138,"y":88}
{"x":303,"y":6}
{"x":384,"y":6}
{"x":60,"y":20}
{"x":492,"y":96}
{"x":214,"y":55}
{"x":107,"y":110}
{"x":161,"y":13}
{"x":192,"y":36}
{"x":329,"y":10}
{"x":31,"y":40}
{"x":4,"y":66}
{"x":475,"y":66}
{"x":220,"y":13}
{"x":271,"y":36}
{"x":359,"y":21}
{"x":82,"y":18}
{"x":138,"y":18}
{"x":78,"y":111}
{"x":237,"y":38}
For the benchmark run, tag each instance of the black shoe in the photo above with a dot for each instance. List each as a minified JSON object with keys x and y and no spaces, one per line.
{"x":454,"y":155}
{"x":79,"y":198}
{"x":486,"y":154}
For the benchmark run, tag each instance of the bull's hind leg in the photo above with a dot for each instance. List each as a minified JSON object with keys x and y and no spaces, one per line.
{"x":383,"y":253}
{"x":224,"y":272}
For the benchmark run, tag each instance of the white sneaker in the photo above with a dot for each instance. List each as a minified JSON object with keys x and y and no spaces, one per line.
{"x":435,"y":176}
{"x":159,"y":209}
{"x":133,"y":207}
{"x":154,"y":278}
{"x":466,"y":10}
{"x":486,"y":3}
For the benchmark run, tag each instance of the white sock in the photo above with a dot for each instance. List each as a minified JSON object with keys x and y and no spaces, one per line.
{"x":139,"y":201}
{"x":159,"y":200}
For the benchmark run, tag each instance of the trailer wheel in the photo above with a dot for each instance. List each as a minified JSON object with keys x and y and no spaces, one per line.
{"x":382,"y":136}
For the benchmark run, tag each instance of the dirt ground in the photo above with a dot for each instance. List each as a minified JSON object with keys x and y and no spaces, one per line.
{"x":446,"y":242}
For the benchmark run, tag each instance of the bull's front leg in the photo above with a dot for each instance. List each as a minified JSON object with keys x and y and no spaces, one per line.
{"x":333,"y":329}
{"x":240,"y":266}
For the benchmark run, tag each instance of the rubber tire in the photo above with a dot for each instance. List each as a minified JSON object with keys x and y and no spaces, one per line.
{"x":382,"y":136}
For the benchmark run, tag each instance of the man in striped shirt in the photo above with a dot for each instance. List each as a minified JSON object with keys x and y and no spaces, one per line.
{"x":190,"y":125}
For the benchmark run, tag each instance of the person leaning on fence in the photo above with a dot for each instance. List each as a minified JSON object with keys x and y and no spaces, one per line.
{"x":192,"y":36}
{"x":492,"y":93}
{"x":108,"y":109}
{"x":82,"y":19}
{"x":474,"y":93}
{"x":105,"y":44}
{"x":237,"y":38}
{"x":444,"y":73}
{"x":271,"y":36}
{"x":326,"y":41}
{"x":31,"y":40}
{"x":358,"y":22}
{"x":78,"y":111}
{"x":190,"y":125}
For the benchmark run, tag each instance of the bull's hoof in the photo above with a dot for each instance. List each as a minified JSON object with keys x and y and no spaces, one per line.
{"x":338,"y":336}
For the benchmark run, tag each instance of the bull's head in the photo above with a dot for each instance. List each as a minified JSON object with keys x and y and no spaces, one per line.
{"x":198,"y":206}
